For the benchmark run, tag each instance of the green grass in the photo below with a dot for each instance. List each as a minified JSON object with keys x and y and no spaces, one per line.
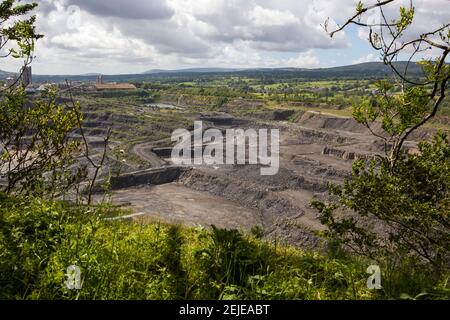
{"x":39,"y":240}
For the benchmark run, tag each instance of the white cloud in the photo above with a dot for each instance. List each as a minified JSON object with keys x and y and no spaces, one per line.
{"x":262,"y":17}
{"x":369,"y":58}
{"x":114,"y":36}
{"x":135,"y":35}
{"x":128,"y":10}
{"x":304,"y":60}
{"x":428,"y":15}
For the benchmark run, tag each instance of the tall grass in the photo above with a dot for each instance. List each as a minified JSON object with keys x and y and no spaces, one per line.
{"x":39,"y":240}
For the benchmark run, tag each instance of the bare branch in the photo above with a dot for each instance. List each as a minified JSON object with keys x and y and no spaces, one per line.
{"x":359,"y":14}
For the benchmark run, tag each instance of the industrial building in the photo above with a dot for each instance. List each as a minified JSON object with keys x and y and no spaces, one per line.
{"x":101,"y":86}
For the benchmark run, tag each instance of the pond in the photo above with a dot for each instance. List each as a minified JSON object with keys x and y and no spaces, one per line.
{"x":162,"y":106}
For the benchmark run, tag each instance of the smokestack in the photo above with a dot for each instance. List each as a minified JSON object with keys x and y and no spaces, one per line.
{"x":27,"y":76}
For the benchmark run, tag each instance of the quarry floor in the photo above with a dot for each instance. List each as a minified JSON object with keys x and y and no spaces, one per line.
{"x":175,"y":203}
{"x":314,"y":150}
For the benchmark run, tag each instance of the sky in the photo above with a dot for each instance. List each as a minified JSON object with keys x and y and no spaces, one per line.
{"x":132,"y":36}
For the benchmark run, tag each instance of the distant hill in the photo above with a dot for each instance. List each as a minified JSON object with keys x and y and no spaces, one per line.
{"x":368,"y":70}
{"x":365,"y":69}
{"x":192,"y":70}
{"x":92,"y":74}
{"x":5,"y":74}
{"x":376,"y":68}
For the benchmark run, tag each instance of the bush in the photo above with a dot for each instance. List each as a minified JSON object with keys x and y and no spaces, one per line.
{"x":409,"y":206}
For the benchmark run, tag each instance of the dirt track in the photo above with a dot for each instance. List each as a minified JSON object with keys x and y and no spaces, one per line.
{"x":143,"y":150}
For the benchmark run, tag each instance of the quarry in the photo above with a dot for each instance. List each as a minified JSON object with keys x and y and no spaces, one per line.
{"x":316,"y":149}
{"x":212,"y":154}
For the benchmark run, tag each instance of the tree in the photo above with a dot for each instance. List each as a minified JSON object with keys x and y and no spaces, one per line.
{"x":401,"y":214}
{"x":399,"y":206}
{"x":17,"y":36}
{"x":36,"y":148}
{"x":419,"y":99}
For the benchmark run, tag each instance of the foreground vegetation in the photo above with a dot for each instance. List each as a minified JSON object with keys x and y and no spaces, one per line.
{"x":40,"y":237}
{"x":39,"y":240}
